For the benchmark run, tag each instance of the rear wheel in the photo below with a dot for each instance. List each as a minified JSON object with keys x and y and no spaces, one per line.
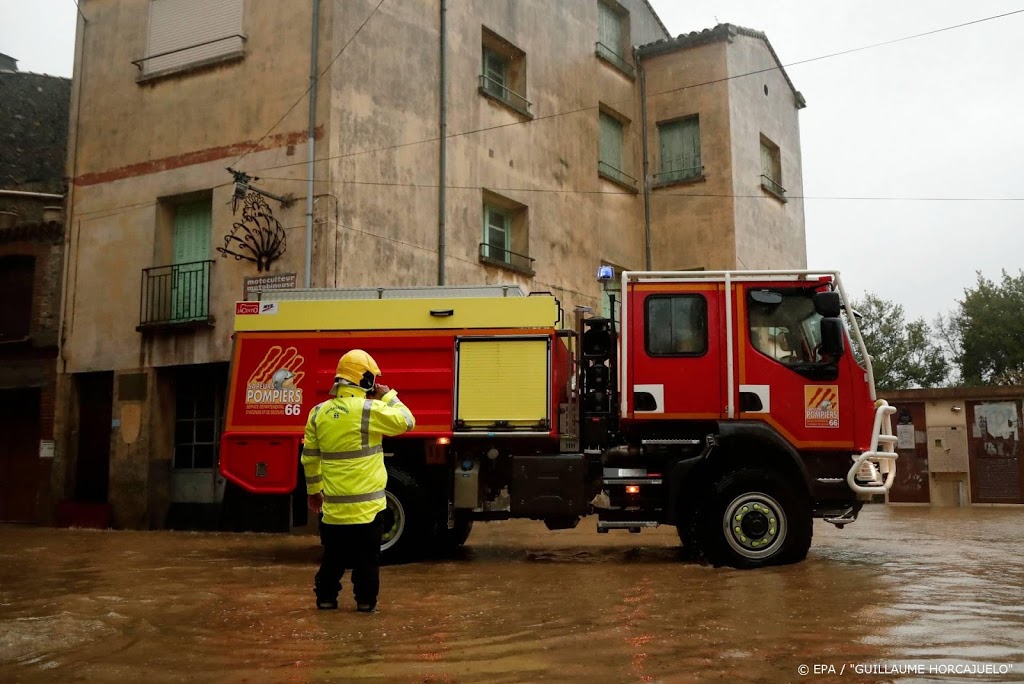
{"x":405,"y":517}
{"x":754,"y":518}
{"x":449,"y":541}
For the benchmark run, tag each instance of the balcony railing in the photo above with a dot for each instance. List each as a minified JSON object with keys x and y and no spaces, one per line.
{"x":677,"y":175}
{"x":613,"y":58}
{"x":177,"y":295}
{"x":613,"y":174}
{"x":489,"y":254}
{"x":499,"y":91}
{"x":771,"y":186}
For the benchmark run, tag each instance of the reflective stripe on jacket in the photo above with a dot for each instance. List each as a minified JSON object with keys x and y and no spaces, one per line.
{"x":342,"y":454}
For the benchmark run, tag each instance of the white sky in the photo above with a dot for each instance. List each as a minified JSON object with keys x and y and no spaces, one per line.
{"x":926,"y":118}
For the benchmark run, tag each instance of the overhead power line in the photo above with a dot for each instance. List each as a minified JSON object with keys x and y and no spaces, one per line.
{"x":306,"y":91}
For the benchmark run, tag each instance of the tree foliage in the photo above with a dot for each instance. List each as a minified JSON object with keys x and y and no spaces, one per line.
{"x":903,"y":355}
{"x":985,"y":334}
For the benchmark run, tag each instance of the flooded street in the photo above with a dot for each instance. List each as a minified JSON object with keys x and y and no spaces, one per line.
{"x":902,"y":586}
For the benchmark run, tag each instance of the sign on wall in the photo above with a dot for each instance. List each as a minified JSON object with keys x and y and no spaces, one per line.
{"x":278,"y":281}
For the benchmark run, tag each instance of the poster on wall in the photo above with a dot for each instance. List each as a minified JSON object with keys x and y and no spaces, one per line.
{"x":905,"y":437}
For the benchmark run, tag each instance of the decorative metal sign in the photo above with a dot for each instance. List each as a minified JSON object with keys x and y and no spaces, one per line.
{"x":258,"y":237}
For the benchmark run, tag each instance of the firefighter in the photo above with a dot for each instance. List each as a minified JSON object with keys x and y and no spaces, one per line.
{"x":345,"y":476}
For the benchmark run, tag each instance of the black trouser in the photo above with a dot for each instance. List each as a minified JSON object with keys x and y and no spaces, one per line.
{"x":350,"y":546}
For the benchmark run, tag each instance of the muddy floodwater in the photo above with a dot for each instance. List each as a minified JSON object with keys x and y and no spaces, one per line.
{"x":905,"y":594}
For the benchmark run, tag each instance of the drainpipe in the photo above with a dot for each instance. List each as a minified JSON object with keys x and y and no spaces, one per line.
{"x":313,"y":76}
{"x":647,"y":181}
{"x":442,"y":161}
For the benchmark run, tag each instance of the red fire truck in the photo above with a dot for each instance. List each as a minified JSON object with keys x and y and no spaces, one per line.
{"x":736,"y":406}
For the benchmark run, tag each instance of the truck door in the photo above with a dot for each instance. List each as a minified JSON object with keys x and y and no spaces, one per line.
{"x":783,"y":378}
{"x":674,"y":351}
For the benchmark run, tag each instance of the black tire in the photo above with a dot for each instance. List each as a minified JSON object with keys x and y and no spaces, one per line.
{"x":407,"y":523}
{"x":449,"y":541}
{"x":752,"y":518}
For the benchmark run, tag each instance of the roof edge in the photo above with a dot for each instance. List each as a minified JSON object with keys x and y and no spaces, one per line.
{"x":721,"y":32}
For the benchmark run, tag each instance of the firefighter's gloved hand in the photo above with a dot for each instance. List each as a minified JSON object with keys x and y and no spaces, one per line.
{"x":316,"y":502}
{"x":379,"y":390}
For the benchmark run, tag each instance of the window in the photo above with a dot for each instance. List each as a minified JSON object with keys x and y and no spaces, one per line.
{"x":189,"y":33}
{"x":506,"y":237}
{"x":610,"y":161}
{"x":612,"y":30}
{"x":680,"y":150}
{"x":197,"y":417}
{"x":676,"y":325}
{"x":17,"y":276}
{"x":771,"y":168}
{"x":784,"y":325}
{"x":503,"y":72}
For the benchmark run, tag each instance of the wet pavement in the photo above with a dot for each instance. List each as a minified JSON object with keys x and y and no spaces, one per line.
{"x":905,"y":594}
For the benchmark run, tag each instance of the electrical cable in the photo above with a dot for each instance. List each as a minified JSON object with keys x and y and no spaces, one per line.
{"x":306,"y":91}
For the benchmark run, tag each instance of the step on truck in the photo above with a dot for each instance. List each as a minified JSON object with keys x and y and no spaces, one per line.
{"x":736,"y":405}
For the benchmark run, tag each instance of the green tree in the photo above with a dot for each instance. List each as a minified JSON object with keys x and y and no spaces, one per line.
{"x":985,"y":334}
{"x":903,"y":355}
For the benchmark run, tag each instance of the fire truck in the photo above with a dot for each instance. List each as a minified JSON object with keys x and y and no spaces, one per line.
{"x":735,"y":405}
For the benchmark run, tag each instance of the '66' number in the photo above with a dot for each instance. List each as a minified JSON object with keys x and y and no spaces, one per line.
{"x":292,"y":409}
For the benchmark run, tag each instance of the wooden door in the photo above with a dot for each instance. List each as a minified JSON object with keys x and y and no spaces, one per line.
{"x":19,"y":454}
{"x":912,"y":478}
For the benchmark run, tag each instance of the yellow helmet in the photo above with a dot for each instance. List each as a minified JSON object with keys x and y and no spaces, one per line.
{"x":359,"y":368}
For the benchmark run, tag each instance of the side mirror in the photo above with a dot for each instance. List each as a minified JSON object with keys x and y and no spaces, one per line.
{"x":833,"y":337}
{"x":827,"y":304}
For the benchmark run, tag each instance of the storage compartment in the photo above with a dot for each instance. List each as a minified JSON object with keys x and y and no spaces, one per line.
{"x":260,"y":463}
{"x":549,"y":486}
{"x":503,"y":384}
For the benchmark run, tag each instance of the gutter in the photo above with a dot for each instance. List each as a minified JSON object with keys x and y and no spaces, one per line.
{"x":313,"y":78}
{"x":442,"y":161}
{"x":41,"y":195}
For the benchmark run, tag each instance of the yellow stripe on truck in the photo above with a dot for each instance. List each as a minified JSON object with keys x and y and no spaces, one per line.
{"x":397,"y":314}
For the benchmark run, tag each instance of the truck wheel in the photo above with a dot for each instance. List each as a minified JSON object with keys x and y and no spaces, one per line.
{"x":450,"y":540}
{"x":752,"y":519}
{"x":406,"y":520}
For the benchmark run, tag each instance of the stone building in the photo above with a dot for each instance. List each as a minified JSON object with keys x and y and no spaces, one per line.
{"x":33,"y":140}
{"x":510,"y":141}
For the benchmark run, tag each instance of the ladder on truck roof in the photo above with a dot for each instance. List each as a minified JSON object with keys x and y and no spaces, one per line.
{"x":331,"y":293}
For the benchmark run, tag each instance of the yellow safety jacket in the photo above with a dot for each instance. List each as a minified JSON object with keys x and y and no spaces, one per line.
{"x":342,"y":454}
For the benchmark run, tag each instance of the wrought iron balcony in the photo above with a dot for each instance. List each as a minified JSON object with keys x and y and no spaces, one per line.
{"x":175,"y":296}
{"x":489,"y":254}
{"x":608,"y":171}
{"x":498,"y":90}
{"x":613,"y":58}
{"x":771,"y":186}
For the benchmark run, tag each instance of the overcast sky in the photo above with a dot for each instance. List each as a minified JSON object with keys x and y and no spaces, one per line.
{"x":932,"y":117}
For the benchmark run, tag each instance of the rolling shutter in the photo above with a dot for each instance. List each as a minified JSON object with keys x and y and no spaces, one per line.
{"x":176,"y":25}
{"x":503,"y":380}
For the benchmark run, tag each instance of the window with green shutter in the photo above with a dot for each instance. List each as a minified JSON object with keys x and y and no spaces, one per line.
{"x":190,"y":272}
{"x":612,"y":30}
{"x":679,"y":143}
{"x":497,"y":233}
{"x":506,"y":234}
{"x":503,"y":72}
{"x":610,"y":144}
{"x":771,"y":167}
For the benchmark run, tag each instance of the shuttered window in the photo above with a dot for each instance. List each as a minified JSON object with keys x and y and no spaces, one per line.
{"x":611,"y":141}
{"x":609,"y":29}
{"x":190,"y":286}
{"x":186,"y":32}
{"x":771,"y":167}
{"x":680,"y":149}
